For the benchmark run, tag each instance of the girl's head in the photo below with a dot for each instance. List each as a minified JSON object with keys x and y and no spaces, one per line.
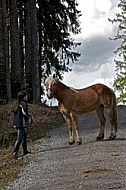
{"x":22,"y":96}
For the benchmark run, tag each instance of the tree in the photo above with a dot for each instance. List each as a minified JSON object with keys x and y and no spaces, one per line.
{"x":34,"y":51}
{"x":2,"y":65}
{"x":57,"y":20}
{"x":120,"y":80}
{"x":28,"y":51}
{"x":6,"y":50}
{"x":16,"y":69}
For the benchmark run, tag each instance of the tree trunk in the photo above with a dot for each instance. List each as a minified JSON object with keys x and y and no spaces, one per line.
{"x":6,"y":49}
{"x":21,"y":42}
{"x":16,"y":70}
{"x":2,"y":65}
{"x":34,"y":52}
{"x":28,"y":51}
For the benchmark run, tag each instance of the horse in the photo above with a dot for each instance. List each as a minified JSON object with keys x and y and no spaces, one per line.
{"x":73,"y":102}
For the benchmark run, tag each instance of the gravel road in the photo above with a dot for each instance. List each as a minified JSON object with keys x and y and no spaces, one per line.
{"x":93,"y":165}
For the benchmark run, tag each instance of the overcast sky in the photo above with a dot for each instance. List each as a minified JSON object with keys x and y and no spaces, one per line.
{"x":96,"y":63}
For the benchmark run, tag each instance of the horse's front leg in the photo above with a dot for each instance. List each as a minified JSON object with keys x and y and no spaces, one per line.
{"x":76,"y":127}
{"x":69,"y":125}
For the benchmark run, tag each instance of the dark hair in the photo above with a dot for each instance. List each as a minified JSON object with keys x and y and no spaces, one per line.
{"x":20,"y":97}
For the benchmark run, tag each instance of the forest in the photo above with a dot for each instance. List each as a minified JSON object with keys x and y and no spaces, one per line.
{"x":35,"y":39}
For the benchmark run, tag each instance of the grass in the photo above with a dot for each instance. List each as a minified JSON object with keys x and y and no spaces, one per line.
{"x":9,"y":168}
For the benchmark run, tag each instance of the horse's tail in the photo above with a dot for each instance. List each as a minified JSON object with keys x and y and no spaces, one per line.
{"x":114,"y":103}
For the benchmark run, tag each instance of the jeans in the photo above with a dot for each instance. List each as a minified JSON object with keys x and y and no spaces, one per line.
{"x":21,"y":138}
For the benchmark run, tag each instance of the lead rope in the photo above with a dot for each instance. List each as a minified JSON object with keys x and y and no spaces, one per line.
{"x":44,"y":119}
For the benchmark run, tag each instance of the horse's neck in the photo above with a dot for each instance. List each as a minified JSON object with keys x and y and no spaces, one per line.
{"x":59,"y":92}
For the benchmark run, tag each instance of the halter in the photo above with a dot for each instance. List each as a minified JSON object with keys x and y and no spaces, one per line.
{"x":49,"y":89}
{"x":52,"y":92}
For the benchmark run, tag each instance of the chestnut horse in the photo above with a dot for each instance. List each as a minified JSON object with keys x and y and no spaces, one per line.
{"x":72,"y":102}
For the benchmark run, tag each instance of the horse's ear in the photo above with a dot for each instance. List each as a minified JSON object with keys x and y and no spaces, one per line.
{"x":45,"y":76}
{"x":54,"y":76}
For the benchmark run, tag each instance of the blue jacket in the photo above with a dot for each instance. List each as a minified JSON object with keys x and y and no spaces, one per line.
{"x":21,"y":115}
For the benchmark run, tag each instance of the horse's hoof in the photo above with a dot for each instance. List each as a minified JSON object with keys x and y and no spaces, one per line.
{"x":79,"y":141}
{"x":71,"y":142}
{"x":99,"y":138}
{"x":112,"y":137}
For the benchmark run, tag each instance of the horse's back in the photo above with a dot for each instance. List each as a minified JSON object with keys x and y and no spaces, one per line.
{"x":97,"y":94}
{"x":99,"y":88}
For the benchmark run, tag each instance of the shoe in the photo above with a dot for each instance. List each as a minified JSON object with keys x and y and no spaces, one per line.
{"x":15,"y":156}
{"x":25,"y":153}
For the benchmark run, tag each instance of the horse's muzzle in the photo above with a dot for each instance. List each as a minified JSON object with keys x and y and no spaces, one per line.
{"x":49,"y":94}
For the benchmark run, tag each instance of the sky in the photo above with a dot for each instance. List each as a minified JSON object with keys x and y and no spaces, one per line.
{"x":96,"y":63}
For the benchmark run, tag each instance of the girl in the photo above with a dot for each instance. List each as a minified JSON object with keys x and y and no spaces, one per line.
{"x":21,"y":117}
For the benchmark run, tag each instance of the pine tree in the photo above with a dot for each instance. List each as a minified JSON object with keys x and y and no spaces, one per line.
{"x":16,"y":69}
{"x":5,"y":84}
{"x":34,"y":51}
{"x":120,"y":80}
{"x":57,"y":20}
{"x":2,"y":65}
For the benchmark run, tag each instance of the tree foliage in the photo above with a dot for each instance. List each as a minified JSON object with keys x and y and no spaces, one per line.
{"x":120,"y":80}
{"x":57,"y":20}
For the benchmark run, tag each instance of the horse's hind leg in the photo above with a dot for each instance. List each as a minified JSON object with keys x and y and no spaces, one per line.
{"x":100,"y":113}
{"x":113,"y":121}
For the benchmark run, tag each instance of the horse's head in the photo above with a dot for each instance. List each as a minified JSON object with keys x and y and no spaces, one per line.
{"x":50,"y":83}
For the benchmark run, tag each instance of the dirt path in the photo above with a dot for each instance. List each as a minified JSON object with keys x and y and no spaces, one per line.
{"x":94,"y":165}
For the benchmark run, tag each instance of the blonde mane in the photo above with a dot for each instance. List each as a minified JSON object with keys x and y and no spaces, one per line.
{"x":73,"y":89}
{"x":50,"y":79}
